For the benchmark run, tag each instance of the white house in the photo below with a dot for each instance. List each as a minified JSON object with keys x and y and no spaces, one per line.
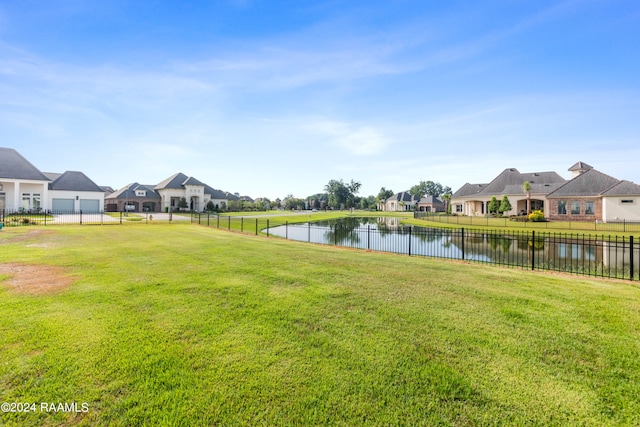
{"x":399,"y":202}
{"x":24,"y":187}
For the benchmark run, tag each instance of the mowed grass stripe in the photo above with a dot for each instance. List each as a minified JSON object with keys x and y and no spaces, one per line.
{"x":186,"y":325}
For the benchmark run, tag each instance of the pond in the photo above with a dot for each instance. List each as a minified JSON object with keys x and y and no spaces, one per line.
{"x":606,"y":256}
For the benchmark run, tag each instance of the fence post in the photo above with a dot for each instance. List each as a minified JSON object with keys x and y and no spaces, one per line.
{"x":256,"y":226}
{"x":309,"y":233}
{"x":120,"y":218}
{"x":208,"y":219}
{"x":267,"y":227}
{"x":631,"y":255}
{"x":229,"y":223}
{"x":410,"y":240}
{"x":335,"y":235}
{"x":462,"y":234}
{"x":242,"y":224}
{"x":533,"y":251}
{"x":80,"y":216}
{"x":368,"y":237}
{"x":218,"y":219}
{"x":286,"y":230}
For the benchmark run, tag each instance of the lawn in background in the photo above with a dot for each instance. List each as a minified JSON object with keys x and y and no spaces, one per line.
{"x":188,"y":325}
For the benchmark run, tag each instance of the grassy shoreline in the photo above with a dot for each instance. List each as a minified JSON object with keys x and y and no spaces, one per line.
{"x":194,"y":326}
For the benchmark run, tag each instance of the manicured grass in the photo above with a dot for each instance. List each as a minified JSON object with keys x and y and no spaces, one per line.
{"x":188,"y":325}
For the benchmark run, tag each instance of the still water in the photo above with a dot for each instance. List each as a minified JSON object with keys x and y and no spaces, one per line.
{"x":561,"y":252}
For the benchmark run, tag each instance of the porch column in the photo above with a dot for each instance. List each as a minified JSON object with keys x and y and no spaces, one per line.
{"x":44,"y":200}
{"x":16,"y":195}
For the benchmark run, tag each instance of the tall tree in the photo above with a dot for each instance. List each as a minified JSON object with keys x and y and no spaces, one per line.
{"x":526,"y":187}
{"x":342,"y":195}
{"x":505,"y":205}
{"x":430,"y":188}
{"x":494,"y":205}
{"x":446,"y":197}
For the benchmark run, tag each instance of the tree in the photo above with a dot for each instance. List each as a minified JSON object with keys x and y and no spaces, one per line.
{"x":383,"y":195}
{"x":341,"y":194}
{"x":210,"y":206}
{"x":494,"y":205}
{"x":447,"y":199}
{"x":431,"y":188}
{"x":505,"y":205}
{"x":182,"y":204}
{"x":526,"y":187}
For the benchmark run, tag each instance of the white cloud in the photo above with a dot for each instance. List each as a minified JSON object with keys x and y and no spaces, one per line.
{"x":361,"y":140}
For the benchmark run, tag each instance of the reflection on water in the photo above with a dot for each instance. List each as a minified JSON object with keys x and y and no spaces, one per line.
{"x":550,"y":251}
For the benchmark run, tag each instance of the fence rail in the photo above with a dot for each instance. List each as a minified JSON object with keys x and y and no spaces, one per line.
{"x":17,"y":218}
{"x":623,"y":225}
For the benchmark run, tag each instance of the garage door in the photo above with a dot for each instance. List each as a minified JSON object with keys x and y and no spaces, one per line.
{"x":89,"y":205}
{"x":62,"y":205}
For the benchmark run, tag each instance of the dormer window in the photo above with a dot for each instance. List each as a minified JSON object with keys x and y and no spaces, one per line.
{"x":141,"y":193}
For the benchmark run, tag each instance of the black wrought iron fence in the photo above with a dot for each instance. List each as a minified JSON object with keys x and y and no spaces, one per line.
{"x":593,"y":255}
{"x":16,"y":218}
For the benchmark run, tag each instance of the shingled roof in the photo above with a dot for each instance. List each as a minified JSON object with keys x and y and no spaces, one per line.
{"x":591,"y":183}
{"x":623,"y":188}
{"x":468,"y":190}
{"x":14,"y":166}
{"x":129,"y":192}
{"x":403,"y":196}
{"x":74,"y":181}
{"x":580,"y":166}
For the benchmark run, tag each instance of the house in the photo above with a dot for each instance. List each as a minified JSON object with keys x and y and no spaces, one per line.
{"x":73,"y":191}
{"x":218,"y":198}
{"x":473,"y":199}
{"x":180,"y":186}
{"x":196,"y":193}
{"x":134,"y":197}
{"x":399,"y":202}
{"x":430,"y":204}
{"x":24,"y":187}
{"x":594,"y":196}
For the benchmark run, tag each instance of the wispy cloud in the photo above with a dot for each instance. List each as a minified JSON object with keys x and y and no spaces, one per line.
{"x":360,"y":140}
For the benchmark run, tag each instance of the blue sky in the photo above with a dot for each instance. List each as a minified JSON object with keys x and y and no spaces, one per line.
{"x":269,"y":98}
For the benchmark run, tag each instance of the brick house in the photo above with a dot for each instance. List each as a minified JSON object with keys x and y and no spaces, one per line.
{"x":594,"y":196}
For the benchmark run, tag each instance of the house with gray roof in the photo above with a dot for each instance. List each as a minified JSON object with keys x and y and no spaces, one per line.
{"x":473,"y":199}
{"x":196,"y":193}
{"x":431,"y":204}
{"x":402,"y":201}
{"x":73,"y":191}
{"x":134,"y":197}
{"x":25,"y":187}
{"x":22,"y":185}
{"x":594,"y":196}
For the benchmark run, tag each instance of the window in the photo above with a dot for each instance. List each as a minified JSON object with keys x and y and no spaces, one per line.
{"x":590,"y":208}
{"x":562,"y":207}
{"x":36,"y":201}
{"x":627,"y":201}
{"x":575,"y":207}
{"x":458,"y":208}
{"x":141,"y":193}
{"x":26,"y":201}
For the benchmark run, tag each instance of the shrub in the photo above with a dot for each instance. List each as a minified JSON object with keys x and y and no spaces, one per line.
{"x":537,"y":216}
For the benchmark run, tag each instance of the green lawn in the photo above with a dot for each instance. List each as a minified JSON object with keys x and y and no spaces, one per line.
{"x":184,"y":325}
